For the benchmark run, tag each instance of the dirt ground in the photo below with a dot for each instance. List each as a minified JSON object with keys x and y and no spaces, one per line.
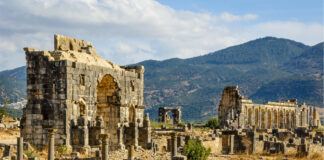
{"x":9,"y":136}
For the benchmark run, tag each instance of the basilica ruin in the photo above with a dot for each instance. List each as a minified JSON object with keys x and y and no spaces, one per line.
{"x":238,"y":111}
{"x":83,"y":97}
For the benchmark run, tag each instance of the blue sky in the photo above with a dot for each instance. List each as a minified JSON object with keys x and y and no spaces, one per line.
{"x":295,"y":10}
{"x":130,"y":31}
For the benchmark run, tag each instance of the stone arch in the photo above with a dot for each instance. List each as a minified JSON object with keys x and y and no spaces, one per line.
{"x":108,"y":102}
{"x":263,"y":120}
{"x":314,"y":117}
{"x":246,"y":117}
{"x":303,"y":117}
{"x":275,"y":118}
{"x":250,"y":116}
{"x":256,"y":117}
{"x":281,"y":119}
{"x":269,"y":119}
{"x":287,"y":120}
{"x":132,"y":113}
{"x":292,"y":119}
{"x":82,"y":108}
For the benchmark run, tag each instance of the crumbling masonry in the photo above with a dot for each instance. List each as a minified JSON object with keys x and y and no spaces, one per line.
{"x":165,"y":118}
{"x":72,"y":89}
{"x":238,"y":111}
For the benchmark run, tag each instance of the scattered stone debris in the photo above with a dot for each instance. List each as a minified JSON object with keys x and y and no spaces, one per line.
{"x":81,"y":106}
{"x":9,"y":123}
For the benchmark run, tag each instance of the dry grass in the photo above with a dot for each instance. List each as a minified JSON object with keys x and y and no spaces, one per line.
{"x":317,"y":156}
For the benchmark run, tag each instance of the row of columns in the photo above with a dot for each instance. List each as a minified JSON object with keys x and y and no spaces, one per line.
{"x":51,"y":145}
{"x":267,"y":119}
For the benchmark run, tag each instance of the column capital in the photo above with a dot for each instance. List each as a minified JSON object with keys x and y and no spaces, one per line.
{"x":104,"y":138}
{"x":51,"y":131}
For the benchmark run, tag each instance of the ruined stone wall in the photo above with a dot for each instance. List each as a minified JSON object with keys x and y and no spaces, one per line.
{"x":238,"y":111}
{"x":165,"y":118}
{"x":72,"y":82}
{"x":46,"y":94}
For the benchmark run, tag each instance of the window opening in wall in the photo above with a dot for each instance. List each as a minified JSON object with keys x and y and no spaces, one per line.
{"x":132,"y":86}
{"x":82,"y":109}
{"x":73,"y":64}
{"x":82,"y":80}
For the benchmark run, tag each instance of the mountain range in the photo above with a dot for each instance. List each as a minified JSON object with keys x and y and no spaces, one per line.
{"x":265,"y":69}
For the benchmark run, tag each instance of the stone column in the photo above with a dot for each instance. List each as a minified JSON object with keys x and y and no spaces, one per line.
{"x":51,"y":143}
{"x":266,"y":125}
{"x":253,"y":117}
{"x":20,"y":148}
{"x":253,"y":141}
{"x":120,"y":132}
{"x":83,"y":127}
{"x":147,"y":127}
{"x":131,"y":153}
{"x":174,"y":145}
{"x":232,"y":139}
{"x":104,"y":147}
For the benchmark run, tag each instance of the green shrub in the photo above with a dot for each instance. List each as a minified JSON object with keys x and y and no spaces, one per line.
{"x":62,"y":149}
{"x":213,"y":123}
{"x":158,"y":125}
{"x":3,"y":112}
{"x":31,"y":154}
{"x":194,"y":150}
{"x":182,"y":124}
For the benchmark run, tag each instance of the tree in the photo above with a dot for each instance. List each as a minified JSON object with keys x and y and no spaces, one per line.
{"x":212,"y":123}
{"x":5,"y":102}
{"x":3,"y":112}
{"x":194,"y":150}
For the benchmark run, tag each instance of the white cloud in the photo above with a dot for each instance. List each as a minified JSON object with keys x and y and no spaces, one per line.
{"x":227,"y":17}
{"x":309,"y":33}
{"x":128,"y":31}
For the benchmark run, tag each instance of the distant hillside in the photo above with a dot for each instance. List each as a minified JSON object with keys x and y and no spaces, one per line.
{"x":13,"y":84}
{"x":265,"y":69}
{"x":310,"y":61}
{"x":196,"y":84}
{"x":305,"y":89}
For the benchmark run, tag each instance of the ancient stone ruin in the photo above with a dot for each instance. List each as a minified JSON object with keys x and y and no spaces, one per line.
{"x":275,"y":127}
{"x":237,"y":111}
{"x":95,"y":108}
{"x":82,"y":96}
{"x":165,"y":118}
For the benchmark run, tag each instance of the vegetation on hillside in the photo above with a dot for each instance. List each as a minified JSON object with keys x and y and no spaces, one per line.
{"x":266,"y":69}
{"x":259,"y":68}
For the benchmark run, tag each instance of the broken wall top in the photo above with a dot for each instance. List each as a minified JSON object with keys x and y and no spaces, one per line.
{"x":231,"y":94}
{"x":66,"y":48}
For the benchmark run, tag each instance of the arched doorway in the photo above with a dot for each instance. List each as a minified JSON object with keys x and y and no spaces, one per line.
{"x":131,"y":114}
{"x":263,"y":120}
{"x":256,"y":116}
{"x":108,"y":101}
{"x":269,"y":119}
{"x":275,"y":119}
{"x":249,"y":117}
{"x":292,"y":119}
{"x":287,"y":123}
{"x":281,"y":119}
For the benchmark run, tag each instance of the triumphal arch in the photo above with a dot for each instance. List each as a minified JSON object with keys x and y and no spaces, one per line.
{"x":82,"y":96}
{"x":237,"y":111}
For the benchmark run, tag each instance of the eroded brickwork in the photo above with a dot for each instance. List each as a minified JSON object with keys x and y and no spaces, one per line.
{"x":78,"y":93}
